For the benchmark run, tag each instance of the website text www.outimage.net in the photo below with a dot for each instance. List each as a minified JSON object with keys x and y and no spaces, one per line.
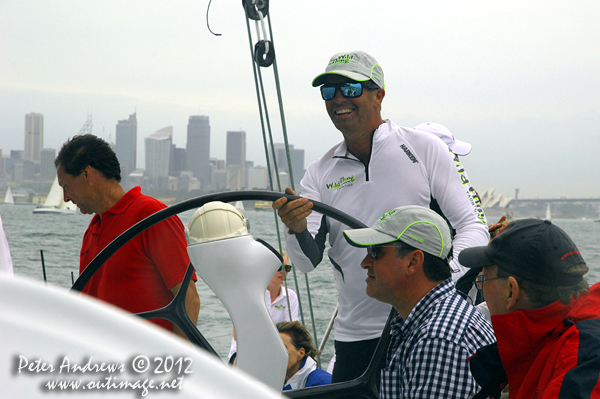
{"x":141,"y":373}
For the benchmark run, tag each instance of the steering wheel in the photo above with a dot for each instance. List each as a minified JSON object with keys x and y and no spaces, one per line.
{"x":175,"y":312}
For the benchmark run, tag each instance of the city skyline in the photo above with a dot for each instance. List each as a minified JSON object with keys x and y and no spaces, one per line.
{"x":111,"y":139}
{"x":130,"y":126}
{"x":164,"y":164}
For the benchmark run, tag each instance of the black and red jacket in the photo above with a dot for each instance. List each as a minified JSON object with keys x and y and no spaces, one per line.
{"x":551,"y":352}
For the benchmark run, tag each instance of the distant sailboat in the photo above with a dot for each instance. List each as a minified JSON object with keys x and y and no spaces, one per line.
{"x":548,"y":213}
{"x":55,"y":202}
{"x":8,"y":198}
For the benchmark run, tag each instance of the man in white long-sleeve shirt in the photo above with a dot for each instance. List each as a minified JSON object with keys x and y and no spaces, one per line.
{"x":378,"y":166}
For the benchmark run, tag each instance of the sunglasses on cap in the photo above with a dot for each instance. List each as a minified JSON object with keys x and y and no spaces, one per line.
{"x":287,"y":268}
{"x":348,"y":89}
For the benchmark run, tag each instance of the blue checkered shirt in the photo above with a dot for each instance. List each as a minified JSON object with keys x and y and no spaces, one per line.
{"x":427,"y":355}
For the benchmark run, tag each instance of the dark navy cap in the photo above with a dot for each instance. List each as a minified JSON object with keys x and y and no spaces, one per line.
{"x":533,"y":249}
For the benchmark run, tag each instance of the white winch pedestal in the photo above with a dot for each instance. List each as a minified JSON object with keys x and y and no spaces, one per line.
{"x":238,"y":269}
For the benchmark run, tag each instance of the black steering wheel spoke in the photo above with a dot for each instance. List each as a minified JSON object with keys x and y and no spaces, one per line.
{"x":176,"y":313}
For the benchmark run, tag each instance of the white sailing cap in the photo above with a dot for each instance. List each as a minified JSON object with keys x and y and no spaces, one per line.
{"x":456,"y":146}
{"x":356,"y":65}
{"x":414,"y":225}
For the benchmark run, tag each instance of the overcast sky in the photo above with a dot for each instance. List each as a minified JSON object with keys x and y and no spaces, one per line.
{"x":519,"y":80}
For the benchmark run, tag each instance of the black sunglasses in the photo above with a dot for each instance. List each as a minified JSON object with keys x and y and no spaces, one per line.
{"x":287,"y":268}
{"x":348,"y":90}
{"x":375,"y":251}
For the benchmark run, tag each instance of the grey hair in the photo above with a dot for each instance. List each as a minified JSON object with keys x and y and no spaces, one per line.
{"x":542,"y":295}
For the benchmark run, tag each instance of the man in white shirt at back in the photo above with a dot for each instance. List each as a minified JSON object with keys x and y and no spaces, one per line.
{"x":377,"y":167}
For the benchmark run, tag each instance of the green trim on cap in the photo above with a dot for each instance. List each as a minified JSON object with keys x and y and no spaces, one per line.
{"x":380,"y":78}
{"x":434,"y":225}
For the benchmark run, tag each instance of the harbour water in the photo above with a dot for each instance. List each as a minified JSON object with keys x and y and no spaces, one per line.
{"x":59,"y":237}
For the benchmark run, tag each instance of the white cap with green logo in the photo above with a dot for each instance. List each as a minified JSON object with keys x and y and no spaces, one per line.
{"x":414,"y":225}
{"x":356,"y":65}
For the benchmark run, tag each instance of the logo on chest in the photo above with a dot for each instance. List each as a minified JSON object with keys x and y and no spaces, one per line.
{"x":408,"y":153}
{"x":343,"y":182}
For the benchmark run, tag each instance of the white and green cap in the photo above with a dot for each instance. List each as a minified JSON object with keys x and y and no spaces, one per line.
{"x":355,"y":65}
{"x":414,"y":225}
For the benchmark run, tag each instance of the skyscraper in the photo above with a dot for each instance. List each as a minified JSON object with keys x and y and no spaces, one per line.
{"x":126,"y":146}
{"x":296,"y":157}
{"x":34,"y":137}
{"x":198,"y":148}
{"x":178,"y":161}
{"x":218,"y":173}
{"x":47,"y":169}
{"x":235,"y":160}
{"x":258,"y":178}
{"x":249,"y":165}
{"x":158,"y":156}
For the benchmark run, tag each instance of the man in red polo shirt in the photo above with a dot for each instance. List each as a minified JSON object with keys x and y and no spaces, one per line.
{"x":144,"y":274}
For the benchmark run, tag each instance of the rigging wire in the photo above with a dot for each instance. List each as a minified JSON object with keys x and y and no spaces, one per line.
{"x":258,"y":59}
{"x":291,"y":178}
{"x":207,"y":23}
{"x":283,"y":124}
{"x":264,"y":118}
{"x":262,"y":102}
{"x":263,"y":55}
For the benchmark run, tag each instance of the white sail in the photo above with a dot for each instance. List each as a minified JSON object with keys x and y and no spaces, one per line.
{"x":55,"y":202}
{"x":548,"y":213}
{"x":8,"y":198}
{"x":55,"y":195}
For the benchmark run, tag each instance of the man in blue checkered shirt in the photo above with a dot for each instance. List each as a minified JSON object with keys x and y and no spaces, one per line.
{"x":436,"y":331}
